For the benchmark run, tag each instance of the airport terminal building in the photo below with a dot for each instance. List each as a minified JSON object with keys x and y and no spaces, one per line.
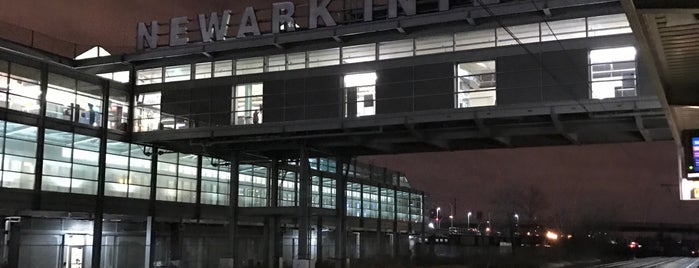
{"x":232,"y":136}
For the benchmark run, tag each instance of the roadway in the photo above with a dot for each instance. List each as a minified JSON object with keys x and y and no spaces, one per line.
{"x":664,"y":262}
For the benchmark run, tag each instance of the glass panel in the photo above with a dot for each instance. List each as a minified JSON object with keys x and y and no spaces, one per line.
{"x":360,"y":94}
{"x":434,"y":44}
{"x":249,"y":66}
{"x":24,"y":89}
{"x":563,"y":29}
{"x":178,"y":73}
{"x":528,"y":33}
{"x":474,"y":39}
{"x":276,"y":63}
{"x":326,"y":57}
{"x":149,"y":76}
{"x":147,"y":111}
{"x":476,"y":84}
{"x":202,"y":70}
{"x":359,"y":53}
{"x":396,"y":49}
{"x":223,"y":68}
{"x":296,"y":61}
{"x":118,"y":110}
{"x":247,"y":104}
{"x":607,"y":25}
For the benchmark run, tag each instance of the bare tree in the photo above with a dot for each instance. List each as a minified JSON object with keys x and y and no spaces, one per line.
{"x":529,"y":202}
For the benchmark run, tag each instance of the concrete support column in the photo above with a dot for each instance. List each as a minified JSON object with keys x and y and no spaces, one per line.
{"x":150,"y":243}
{"x":319,"y":239}
{"x":175,"y":242}
{"x":379,"y":238}
{"x":233,"y":211}
{"x":14,"y":231}
{"x":396,"y":240}
{"x":272,"y":222}
{"x":341,"y":213}
{"x":102,"y":160}
{"x":304,"y":206}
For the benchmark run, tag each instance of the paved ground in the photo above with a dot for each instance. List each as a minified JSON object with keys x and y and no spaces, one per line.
{"x":662,"y":262}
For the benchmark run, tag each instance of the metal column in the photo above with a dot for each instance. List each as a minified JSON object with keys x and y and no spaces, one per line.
{"x":341,"y":212}
{"x":272,"y":225}
{"x":379,"y":239}
{"x":396,"y":240}
{"x":233,"y":210}
{"x":319,"y":239}
{"x":102,"y":160}
{"x":304,"y":205}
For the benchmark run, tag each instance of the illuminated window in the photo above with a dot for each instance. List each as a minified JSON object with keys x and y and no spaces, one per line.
{"x":178,"y":73}
{"x":475,"y":84}
{"x":215,"y":181}
{"x":19,"y":155}
{"x":127,"y":172}
{"x":147,"y":112}
{"x":613,"y":72}
{"x":73,"y":100}
{"x":247,"y":104}
{"x":70,"y":162}
{"x":252,"y":188}
{"x":360,"y":94}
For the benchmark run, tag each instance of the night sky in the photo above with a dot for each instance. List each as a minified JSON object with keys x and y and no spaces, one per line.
{"x":631,"y":182}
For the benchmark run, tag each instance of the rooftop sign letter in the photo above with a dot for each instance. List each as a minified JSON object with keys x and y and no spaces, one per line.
{"x":319,"y":11}
{"x":177,"y":29}
{"x":151,"y":37}
{"x":248,"y":23}
{"x":287,"y":8}
{"x":216,"y":27}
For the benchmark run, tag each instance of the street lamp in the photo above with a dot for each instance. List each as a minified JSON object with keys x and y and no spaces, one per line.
{"x":451,"y":218}
{"x":516,"y":218}
{"x":468,"y":220}
{"x":438,"y":223}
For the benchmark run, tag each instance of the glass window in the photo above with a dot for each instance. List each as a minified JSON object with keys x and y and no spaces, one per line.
{"x":474,"y":39}
{"x":176,"y":179}
{"x":326,"y":57}
{"x":295,"y":61}
{"x":329,"y":192}
{"x":528,"y":33}
{"x":359,"y":53}
{"x":19,"y":154}
{"x":434,"y":44}
{"x":247,"y":104}
{"x":371,"y":201}
{"x":70,"y":162}
{"x":476,"y":84}
{"x":178,"y":73}
{"x":387,"y":204}
{"x":24,"y":88}
{"x":354,"y":199}
{"x":216,"y":179}
{"x":202,"y":70}
{"x":249,"y":66}
{"x":147,"y":112}
{"x":360,"y":94}
{"x":127,"y":172}
{"x":396,"y":49}
{"x":416,"y":208}
{"x":118,"y":110}
{"x":613,"y":72}
{"x":223,"y":68}
{"x":252,"y":190}
{"x":607,"y":25}
{"x":563,"y":29}
{"x":149,"y":76}
{"x":276,"y":63}
{"x":288,"y":186}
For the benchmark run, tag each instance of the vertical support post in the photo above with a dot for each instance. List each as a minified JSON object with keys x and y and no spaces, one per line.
{"x":149,"y":242}
{"x":41,"y":130}
{"x":379,"y":239}
{"x":15,"y":233}
{"x":410,"y":218}
{"x":422,"y":216}
{"x":102,"y":162}
{"x":396,"y":240}
{"x":198,"y":204}
{"x":151,"y":204}
{"x":304,"y":204}
{"x":175,"y":242}
{"x":341,"y":213}
{"x":319,"y":239}
{"x":273,"y":242}
{"x":233,"y":209}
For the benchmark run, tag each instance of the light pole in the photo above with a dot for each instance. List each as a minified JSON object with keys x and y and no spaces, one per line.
{"x":516,"y":218}
{"x":451,"y":218}
{"x":438,"y":221}
{"x":468,"y":220}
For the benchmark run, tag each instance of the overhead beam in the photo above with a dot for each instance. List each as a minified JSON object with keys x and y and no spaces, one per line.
{"x":487,"y":132}
{"x":421,"y":136}
{"x":571,"y":137}
{"x":642,"y":129}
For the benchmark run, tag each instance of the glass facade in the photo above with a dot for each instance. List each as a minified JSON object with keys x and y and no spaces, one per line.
{"x":19,"y":155}
{"x":247,"y":104}
{"x":613,"y":72}
{"x":360,"y":94}
{"x":177,"y":177}
{"x":128,"y":170}
{"x":215,"y":182}
{"x":74,"y":100}
{"x":70,"y":162}
{"x":252,"y":188}
{"x":476,"y":84}
{"x":528,"y":33}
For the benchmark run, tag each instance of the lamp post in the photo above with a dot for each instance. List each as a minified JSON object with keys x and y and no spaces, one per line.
{"x":438,"y":222}
{"x":516,"y":218}
{"x":468,"y":220}
{"x":451,"y":218}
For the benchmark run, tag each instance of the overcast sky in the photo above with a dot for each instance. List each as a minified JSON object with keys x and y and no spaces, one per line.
{"x":637,"y":181}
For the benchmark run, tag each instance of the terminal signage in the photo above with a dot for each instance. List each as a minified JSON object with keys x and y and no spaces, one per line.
{"x":215,"y":26}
